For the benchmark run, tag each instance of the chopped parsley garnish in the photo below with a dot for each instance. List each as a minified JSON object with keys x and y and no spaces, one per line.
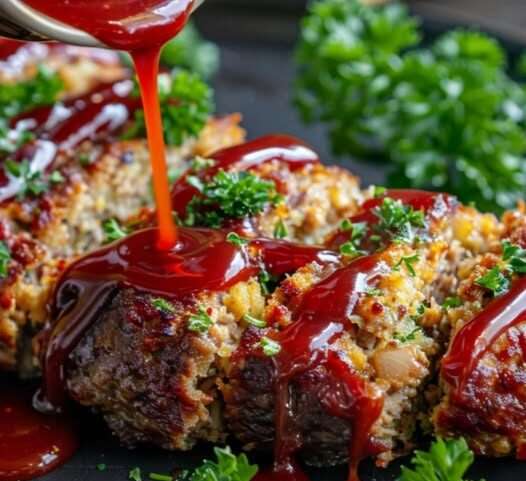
{"x":135,"y":474}
{"x":398,"y":220}
{"x":408,"y":262}
{"x":101,"y":467}
{"x":515,"y":257}
{"x":452,"y":302}
{"x":186,"y":104}
{"x":373,"y":292}
{"x":270,"y":347}
{"x":32,"y":182}
{"x":201,"y":163}
{"x":495,"y":281}
{"x":379,"y":191}
{"x":5,"y":258}
{"x":163,"y":305}
{"x":229,"y":195}
{"x":254,"y":321}
{"x":268,"y":282}
{"x":409,"y":336}
{"x":160,"y":477}
{"x":227,"y":467}
{"x":357,"y":232}
{"x":446,"y":460}
{"x":200,"y":322}
{"x":280,"y":230}
{"x":113,"y":230}
{"x":236,"y":239}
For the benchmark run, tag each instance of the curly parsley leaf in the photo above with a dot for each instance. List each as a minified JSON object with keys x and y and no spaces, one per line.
{"x":446,"y":460}
{"x":515,"y":257}
{"x":495,"y":281}
{"x":32,"y":182}
{"x":186,"y":104}
{"x":229,"y":195}
{"x":5,"y":258}
{"x":227,"y":467}
{"x":113,"y":230}
{"x":398,"y":220}
{"x":200,"y":322}
{"x":445,"y":117}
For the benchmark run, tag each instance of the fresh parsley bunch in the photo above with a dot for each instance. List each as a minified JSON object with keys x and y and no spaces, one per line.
{"x":446,"y":117}
{"x":186,"y":104}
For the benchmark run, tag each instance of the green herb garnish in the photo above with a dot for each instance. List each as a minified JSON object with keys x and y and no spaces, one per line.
{"x":452,"y":302}
{"x":515,"y":257}
{"x":270,"y":347}
{"x":160,"y":477}
{"x":229,"y":195}
{"x":236,"y":239}
{"x":280,"y":230}
{"x":200,"y":322}
{"x":186,"y":104}
{"x":446,"y":460}
{"x":227,"y":467}
{"x":398,"y":220}
{"x":5,"y":259}
{"x":113,"y":230}
{"x":495,"y":281}
{"x":163,"y":305}
{"x":408,"y":262}
{"x":135,"y":474}
{"x":254,"y":321}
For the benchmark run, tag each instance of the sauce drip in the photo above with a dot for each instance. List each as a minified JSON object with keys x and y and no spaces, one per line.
{"x":249,"y":155}
{"x":308,"y":344}
{"x":140,"y":27}
{"x":201,"y":260}
{"x":31,"y":444}
{"x":475,"y":338}
{"x":434,"y":205}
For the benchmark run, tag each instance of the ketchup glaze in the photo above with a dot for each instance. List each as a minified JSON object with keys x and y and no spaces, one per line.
{"x":308,"y":346}
{"x":201,"y":260}
{"x":249,"y":155}
{"x":31,"y":444}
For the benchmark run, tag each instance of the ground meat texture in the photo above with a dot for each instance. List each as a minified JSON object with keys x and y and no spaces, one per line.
{"x":150,"y":377}
{"x":46,"y":232}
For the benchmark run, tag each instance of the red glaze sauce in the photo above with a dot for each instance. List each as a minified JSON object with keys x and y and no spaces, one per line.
{"x":97,"y":116}
{"x":435,"y":206}
{"x":308,"y":344}
{"x":31,"y":444}
{"x":280,"y":148}
{"x":473,"y":339}
{"x":201,"y":260}
{"x":141,"y":27}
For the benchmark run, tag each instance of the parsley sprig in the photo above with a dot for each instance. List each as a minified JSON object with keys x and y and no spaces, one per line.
{"x":229,"y":195}
{"x":33,"y":182}
{"x":113,"y":230}
{"x":446,"y":460}
{"x":398,"y":220}
{"x":186,"y":104}
{"x":446,"y":116}
{"x":227,"y":467}
{"x":357,"y":231}
{"x":497,"y":279}
{"x":200,"y":322}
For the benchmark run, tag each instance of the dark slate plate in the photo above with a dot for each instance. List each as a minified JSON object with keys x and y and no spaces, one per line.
{"x":255,"y":78}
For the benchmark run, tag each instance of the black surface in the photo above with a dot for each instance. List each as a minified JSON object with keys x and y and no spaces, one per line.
{"x":255,"y":78}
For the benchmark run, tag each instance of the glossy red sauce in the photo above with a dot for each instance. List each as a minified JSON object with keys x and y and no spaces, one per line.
{"x":31,"y":444}
{"x":249,"y":155}
{"x":435,"y":206}
{"x":121,"y":24}
{"x":96,"y":116}
{"x":308,"y":344}
{"x":473,"y":339}
{"x":140,"y":27}
{"x":201,"y":260}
